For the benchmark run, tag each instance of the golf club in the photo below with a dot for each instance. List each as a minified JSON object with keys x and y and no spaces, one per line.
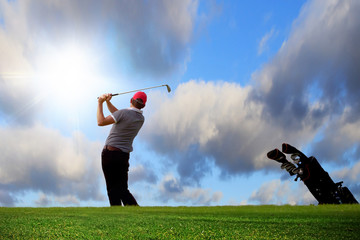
{"x":165,"y":85}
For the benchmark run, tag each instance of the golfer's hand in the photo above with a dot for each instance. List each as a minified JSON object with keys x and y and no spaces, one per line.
{"x":104,"y":97}
{"x":108,"y":97}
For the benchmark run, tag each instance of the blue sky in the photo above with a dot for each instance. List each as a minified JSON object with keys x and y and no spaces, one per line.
{"x":246,"y":76}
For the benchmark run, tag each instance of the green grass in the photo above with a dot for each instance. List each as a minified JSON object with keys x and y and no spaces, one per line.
{"x":242,"y":222}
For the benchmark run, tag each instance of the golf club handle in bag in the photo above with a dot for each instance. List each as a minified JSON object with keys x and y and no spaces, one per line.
{"x":277,"y":155}
{"x":287,"y":148}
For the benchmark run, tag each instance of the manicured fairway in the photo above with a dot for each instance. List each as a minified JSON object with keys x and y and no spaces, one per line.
{"x":242,"y":222}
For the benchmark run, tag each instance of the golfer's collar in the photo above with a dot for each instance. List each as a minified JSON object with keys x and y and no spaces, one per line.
{"x":135,"y":109}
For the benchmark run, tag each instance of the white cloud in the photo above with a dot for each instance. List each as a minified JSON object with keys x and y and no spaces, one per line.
{"x":41,"y":159}
{"x":266,"y":193}
{"x":264,"y":41}
{"x":171,"y":189}
{"x":6,"y":198}
{"x":204,"y":122}
{"x":43,"y":200}
{"x":141,"y":173}
{"x":352,"y":174}
{"x":277,"y":192}
{"x":67,"y":200}
{"x":340,"y":139}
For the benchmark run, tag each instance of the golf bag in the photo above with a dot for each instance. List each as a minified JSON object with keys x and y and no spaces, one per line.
{"x":316,"y":179}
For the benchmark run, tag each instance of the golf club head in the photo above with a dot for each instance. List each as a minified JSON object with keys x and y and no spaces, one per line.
{"x":168,"y":88}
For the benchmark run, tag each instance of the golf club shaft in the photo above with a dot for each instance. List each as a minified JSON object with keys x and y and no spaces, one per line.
{"x":164,"y":85}
{"x":115,"y":94}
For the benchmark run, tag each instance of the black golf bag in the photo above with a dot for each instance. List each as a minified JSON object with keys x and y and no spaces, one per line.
{"x":316,"y":179}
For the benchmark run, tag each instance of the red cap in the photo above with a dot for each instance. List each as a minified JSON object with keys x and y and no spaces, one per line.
{"x":140,"y":95}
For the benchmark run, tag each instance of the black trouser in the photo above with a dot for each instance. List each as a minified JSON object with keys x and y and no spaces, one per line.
{"x":115,"y":165}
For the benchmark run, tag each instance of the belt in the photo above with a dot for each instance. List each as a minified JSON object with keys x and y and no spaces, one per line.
{"x":110,"y":148}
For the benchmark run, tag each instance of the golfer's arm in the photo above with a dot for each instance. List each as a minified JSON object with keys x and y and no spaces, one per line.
{"x":111,"y":107}
{"x":101,"y":120}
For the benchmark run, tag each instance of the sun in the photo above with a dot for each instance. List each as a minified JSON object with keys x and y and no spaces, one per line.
{"x":67,"y":75}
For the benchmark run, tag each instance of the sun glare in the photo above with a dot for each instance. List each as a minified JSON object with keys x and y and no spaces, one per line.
{"x":67,"y":75}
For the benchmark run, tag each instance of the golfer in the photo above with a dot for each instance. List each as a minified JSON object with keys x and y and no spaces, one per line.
{"x":126,"y":124}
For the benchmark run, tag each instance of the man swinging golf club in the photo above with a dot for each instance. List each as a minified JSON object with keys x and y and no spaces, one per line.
{"x":116,"y":153}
